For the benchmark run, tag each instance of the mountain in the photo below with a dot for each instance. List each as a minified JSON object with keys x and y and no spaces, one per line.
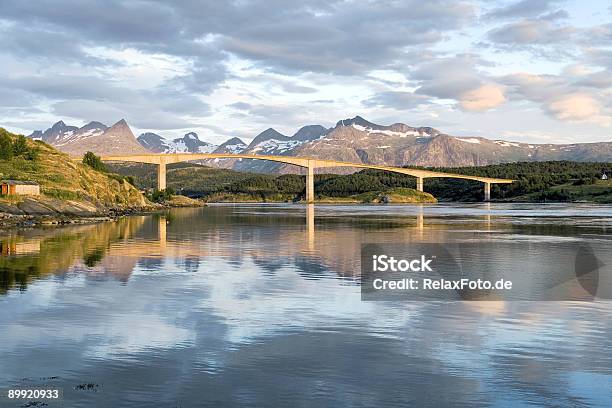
{"x":233,"y":145}
{"x":154,"y":142}
{"x":358,"y":140}
{"x":353,"y":140}
{"x":57,"y":132}
{"x":94,"y":136}
{"x":309,"y":132}
{"x":190,"y":143}
{"x":117,"y":139}
{"x":61,"y":134}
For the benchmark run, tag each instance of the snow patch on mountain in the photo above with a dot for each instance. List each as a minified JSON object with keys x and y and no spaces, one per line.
{"x":276,"y":146}
{"x":503,"y":143}
{"x":369,"y":131}
{"x":468,"y":140}
{"x":235,"y":148}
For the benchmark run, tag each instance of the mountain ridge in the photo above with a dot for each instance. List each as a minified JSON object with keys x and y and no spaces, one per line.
{"x":353,"y":140}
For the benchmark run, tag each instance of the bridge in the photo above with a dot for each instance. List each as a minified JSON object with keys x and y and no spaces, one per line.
{"x":161,"y":160}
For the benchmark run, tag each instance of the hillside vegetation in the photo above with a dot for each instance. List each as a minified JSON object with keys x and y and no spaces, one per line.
{"x":67,"y":186}
{"x":535,"y":181}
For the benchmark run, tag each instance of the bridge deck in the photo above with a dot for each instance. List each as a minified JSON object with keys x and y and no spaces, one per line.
{"x":307,"y":162}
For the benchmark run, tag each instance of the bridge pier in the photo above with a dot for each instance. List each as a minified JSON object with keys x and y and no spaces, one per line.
{"x":161,"y":176}
{"x":487,"y":191}
{"x":310,"y":183}
{"x":419,"y":183}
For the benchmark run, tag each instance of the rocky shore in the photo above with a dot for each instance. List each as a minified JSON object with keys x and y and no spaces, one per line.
{"x":41,"y":211}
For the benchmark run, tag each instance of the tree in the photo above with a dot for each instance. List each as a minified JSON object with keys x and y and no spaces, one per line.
{"x":159,"y":196}
{"x":93,"y":161}
{"x":20,"y":146}
{"x":6,"y":146}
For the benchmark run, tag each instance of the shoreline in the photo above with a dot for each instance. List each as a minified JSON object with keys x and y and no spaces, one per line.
{"x":10,"y":221}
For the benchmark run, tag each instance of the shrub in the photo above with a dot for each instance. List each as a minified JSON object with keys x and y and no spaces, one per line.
{"x":6,"y":146}
{"x":159,"y":196}
{"x":20,"y":146}
{"x":93,"y":161}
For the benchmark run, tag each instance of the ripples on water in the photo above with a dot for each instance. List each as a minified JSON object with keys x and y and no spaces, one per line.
{"x":258,"y":305}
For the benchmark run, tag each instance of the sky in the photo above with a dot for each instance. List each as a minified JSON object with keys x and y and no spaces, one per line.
{"x":537,"y":71}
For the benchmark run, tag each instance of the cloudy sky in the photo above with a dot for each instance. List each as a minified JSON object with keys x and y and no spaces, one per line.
{"x":532,"y":70}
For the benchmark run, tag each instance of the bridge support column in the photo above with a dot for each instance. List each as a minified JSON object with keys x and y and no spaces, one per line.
{"x":487,"y":191}
{"x":419,"y":183}
{"x":161,"y":176}
{"x":310,"y":183}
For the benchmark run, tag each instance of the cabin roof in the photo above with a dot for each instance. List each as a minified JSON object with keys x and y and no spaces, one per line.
{"x":18,"y":182}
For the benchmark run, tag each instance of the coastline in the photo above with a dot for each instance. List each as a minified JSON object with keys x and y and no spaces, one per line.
{"x":13,"y":217}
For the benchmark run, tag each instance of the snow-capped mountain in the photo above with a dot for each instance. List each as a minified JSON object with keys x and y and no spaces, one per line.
{"x":351,"y":140}
{"x":190,"y":143}
{"x":94,"y":136}
{"x":154,"y":142}
{"x":233,"y":146}
{"x":61,"y":134}
{"x":272,"y":142}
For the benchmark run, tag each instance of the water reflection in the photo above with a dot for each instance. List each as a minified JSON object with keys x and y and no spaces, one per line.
{"x":260,"y":305}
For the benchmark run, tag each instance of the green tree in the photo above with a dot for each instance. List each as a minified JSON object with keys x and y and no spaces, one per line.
{"x":6,"y":146}
{"x":93,"y":161}
{"x":20,"y":146}
{"x":159,"y":196}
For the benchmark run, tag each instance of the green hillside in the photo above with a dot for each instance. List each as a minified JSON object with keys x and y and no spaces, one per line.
{"x":67,"y":185}
{"x":561,"y":181}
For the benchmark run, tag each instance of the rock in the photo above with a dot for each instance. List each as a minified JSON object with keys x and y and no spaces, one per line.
{"x":33,"y":206}
{"x":10,"y":209}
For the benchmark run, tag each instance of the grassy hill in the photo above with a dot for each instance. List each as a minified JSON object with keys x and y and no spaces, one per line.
{"x":67,"y":186}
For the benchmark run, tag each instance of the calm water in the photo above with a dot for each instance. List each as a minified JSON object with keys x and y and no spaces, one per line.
{"x":259,"y":305}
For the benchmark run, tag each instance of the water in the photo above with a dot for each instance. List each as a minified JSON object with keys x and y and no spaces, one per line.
{"x":259,"y":305}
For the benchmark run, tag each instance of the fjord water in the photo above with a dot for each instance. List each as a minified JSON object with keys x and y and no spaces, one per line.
{"x":259,"y":305}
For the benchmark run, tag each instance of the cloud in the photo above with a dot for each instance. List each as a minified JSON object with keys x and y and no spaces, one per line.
{"x":524,"y":8}
{"x":531,"y":32}
{"x":483,"y":98}
{"x":574,"y":107}
{"x":242,"y":106}
{"x":459,"y":78}
{"x":398,"y":100}
{"x":600,"y":35}
{"x":344,"y":39}
{"x":448,"y":77}
{"x":571,"y":96}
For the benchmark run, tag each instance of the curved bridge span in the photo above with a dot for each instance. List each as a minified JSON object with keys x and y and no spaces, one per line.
{"x":161,"y":160}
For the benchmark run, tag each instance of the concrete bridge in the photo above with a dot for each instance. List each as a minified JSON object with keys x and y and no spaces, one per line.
{"x":161,"y":160}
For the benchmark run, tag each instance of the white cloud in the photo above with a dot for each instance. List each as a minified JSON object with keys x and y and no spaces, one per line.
{"x":483,"y":98}
{"x":577,"y":107}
